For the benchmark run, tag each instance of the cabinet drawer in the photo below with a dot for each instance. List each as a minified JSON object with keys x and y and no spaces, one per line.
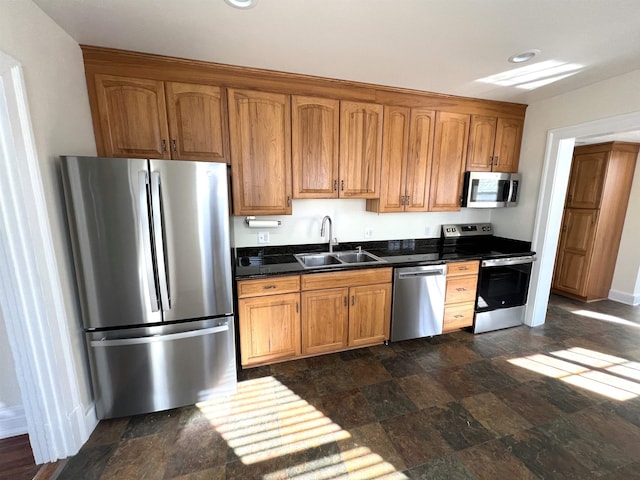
{"x":348,"y":278}
{"x":462,"y":268}
{"x":268,"y":286}
{"x":458,"y":316}
{"x":461,"y":289}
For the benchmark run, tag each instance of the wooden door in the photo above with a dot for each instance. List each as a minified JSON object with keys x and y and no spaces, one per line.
{"x":419,"y":161}
{"x":506,"y":153}
{"x":269,"y":328}
{"x":197,"y":122}
{"x":315,"y":136}
{"x":586,"y":180}
{"x":395,"y":148}
{"x":360,"y":149}
{"x":260,"y":128}
{"x":576,"y":241}
{"x":449,"y":154}
{"x":482,"y":136}
{"x":369,"y":314}
{"x":132,"y":118}
{"x":325,"y":317}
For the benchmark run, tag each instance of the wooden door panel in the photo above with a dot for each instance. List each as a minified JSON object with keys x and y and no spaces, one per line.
{"x":482,"y":135}
{"x":570,"y":273}
{"x":506,"y":154}
{"x":449,"y":154}
{"x":133,"y":117}
{"x":198,"y":122}
{"x":360,"y":149}
{"x":419,"y":161}
{"x":394,"y":159}
{"x":315,"y":136}
{"x":369,"y":314}
{"x":579,"y":230}
{"x":586,"y":180}
{"x":260,"y":129}
{"x":325,"y":315}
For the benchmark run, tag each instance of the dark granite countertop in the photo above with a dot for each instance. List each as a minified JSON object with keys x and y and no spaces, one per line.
{"x":257,"y":262}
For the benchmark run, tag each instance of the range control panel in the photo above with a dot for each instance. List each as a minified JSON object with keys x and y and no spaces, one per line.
{"x":466,"y":230}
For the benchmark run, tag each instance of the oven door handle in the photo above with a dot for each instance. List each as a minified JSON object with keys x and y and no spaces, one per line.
{"x":499,"y":262}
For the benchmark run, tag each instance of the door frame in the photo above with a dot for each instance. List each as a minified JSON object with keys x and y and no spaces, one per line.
{"x":31,"y":295}
{"x":553,"y":188}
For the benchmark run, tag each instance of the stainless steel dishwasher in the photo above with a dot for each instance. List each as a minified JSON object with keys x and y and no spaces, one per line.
{"x":418,"y":301}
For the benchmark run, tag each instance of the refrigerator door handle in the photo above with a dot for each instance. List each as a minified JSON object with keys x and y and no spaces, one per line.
{"x":159,"y":338}
{"x":146,"y":238}
{"x":158,"y":232}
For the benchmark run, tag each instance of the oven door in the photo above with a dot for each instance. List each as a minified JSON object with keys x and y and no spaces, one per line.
{"x":504,"y":283}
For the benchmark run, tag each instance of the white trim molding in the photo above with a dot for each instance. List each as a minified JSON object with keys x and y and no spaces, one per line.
{"x":624,"y":297}
{"x":31,"y":296}
{"x":13,"y":421}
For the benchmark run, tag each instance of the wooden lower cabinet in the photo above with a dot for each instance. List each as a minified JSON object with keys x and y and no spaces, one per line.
{"x":369,"y":314}
{"x":325,"y":320}
{"x":460,"y":296}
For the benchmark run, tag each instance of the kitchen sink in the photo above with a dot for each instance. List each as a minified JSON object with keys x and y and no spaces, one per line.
{"x":336,"y":259}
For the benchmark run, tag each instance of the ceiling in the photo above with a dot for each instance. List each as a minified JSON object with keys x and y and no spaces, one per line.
{"x":442,"y":46}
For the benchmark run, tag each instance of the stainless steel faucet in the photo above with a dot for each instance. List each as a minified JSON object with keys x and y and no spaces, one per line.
{"x":332,"y":241}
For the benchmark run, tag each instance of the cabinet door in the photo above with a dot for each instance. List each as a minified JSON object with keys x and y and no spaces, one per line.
{"x":586,"y":180}
{"x":197,"y":122}
{"x":314,"y":136}
{"x":360,"y":149}
{"x":578,"y":232}
{"x":506,"y":153}
{"x":260,"y":127}
{"x":269,"y":328}
{"x":449,"y":154}
{"x":325,"y":316}
{"x":132,"y":118}
{"x":482,"y":135}
{"x":369,"y":314}
{"x":394,"y":159}
{"x":419,"y":161}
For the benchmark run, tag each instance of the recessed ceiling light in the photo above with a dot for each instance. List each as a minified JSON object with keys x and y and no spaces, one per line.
{"x":524,"y":56}
{"x":242,"y":3}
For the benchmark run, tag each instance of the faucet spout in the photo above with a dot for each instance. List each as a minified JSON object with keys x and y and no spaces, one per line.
{"x":326,"y":219}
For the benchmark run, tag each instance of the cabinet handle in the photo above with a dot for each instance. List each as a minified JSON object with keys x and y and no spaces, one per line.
{"x":342,"y":185}
{"x":346,"y":301}
{"x":353,"y":299}
{"x":288,"y":200}
{"x":570,"y":198}
{"x":335,"y":185}
{"x":268,"y":287}
{"x":407,"y":199}
{"x":461,"y":289}
{"x":497,"y":159}
{"x":164,"y":145}
{"x":463,"y":268}
{"x":297,"y":307}
{"x":173,"y":144}
{"x":491,"y":160}
{"x":402,"y":200}
{"x":458,"y":316}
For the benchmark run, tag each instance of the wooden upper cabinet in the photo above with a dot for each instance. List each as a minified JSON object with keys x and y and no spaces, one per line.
{"x":494,"y":144}
{"x":315,"y":139}
{"x":197,"y":122}
{"x":419,"y":161}
{"x":586,"y":179}
{"x":449,"y":154}
{"x":131,"y":118}
{"x":260,"y":131}
{"x":360,"y":149}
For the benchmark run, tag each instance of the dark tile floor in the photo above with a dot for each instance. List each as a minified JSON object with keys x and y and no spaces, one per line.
{"x":557,"y":401}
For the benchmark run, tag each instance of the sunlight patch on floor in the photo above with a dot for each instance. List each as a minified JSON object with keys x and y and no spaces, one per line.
{"x":595,"y":371}
{"x":605,"y":317}
{"x":265,"y":420}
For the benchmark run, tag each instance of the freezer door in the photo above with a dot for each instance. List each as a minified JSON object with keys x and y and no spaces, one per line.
{"x":143,"y":370}
{"x":107,"y":203}
{"x":191,"y":234}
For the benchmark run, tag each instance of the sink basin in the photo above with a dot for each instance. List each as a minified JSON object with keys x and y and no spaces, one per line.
{"x":356,"y":257}
{"x":309,"y":260}
{"x":335,"y":259}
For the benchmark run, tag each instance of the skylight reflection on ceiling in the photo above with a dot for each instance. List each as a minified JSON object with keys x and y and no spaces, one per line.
{"x":535,"y":75}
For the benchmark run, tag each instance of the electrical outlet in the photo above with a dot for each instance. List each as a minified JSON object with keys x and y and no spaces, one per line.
{"x":368,"y":232}
{"x":263,"y":237}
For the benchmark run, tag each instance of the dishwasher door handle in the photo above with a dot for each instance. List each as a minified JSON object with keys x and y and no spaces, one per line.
{"x":428,"y":273}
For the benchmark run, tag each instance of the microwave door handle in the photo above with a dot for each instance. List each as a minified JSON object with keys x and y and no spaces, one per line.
{"x":146,"y":238}
{"x":159,"y":236}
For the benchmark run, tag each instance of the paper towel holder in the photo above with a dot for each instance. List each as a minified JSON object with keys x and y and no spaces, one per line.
{"x":252,"y":222}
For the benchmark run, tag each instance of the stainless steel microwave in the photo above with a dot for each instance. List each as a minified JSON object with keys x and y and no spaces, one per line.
{"x":490,"y":189}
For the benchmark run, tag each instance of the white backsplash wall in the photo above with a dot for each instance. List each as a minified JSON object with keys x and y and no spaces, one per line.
{"x":350,"y":221}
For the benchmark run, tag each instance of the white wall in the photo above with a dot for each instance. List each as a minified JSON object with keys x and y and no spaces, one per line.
{"x":616,"y":96}
{"x":350,"y":219}
{"x":61,"y":121}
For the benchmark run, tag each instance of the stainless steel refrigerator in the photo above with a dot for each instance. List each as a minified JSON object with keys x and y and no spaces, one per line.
{"x":152,"y":253}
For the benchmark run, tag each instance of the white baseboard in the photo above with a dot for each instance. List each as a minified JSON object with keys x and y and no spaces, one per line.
{"x":624,"y":297}
{"x":13,"y":421}
{"x":90,"y":421}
